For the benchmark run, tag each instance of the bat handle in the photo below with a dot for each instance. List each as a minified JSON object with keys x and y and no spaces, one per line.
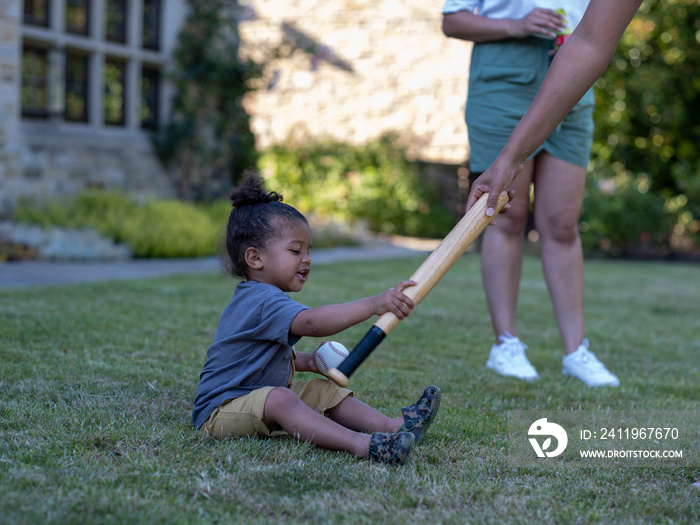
{"x":369,"y":342}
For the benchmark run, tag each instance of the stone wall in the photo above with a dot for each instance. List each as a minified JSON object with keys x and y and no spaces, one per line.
{"x":9,"y":98}
{"x":370,"y":67}
{"x":55,"y":165}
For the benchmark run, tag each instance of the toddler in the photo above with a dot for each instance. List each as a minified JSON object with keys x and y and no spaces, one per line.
{"x":247,"y":386}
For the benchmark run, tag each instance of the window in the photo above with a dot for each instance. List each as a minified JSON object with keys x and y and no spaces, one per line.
{"x":36,"y":12}
{"x":94,"y":64}
{"x":115,"y":21}
{"x":76,"y":87}
{"x":151,"y":24}
{"x":35,"y":90}
{"x":150,"y":86}
{"x":114,"y":77}
{"x":77,"y":16}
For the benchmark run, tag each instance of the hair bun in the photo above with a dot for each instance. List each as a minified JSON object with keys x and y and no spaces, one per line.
{"x":252,"y":191}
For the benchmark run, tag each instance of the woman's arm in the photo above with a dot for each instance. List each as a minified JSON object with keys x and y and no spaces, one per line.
{"x":465,"y":25}
{"x":576,"y":66}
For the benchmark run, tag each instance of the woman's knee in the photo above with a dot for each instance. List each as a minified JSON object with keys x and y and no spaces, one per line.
{"x":558,"y":229}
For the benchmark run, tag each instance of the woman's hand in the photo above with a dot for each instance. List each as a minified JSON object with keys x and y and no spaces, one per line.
{"x":539,"y":22}
{"x":466,"y":25}
{"x":494,"y":181}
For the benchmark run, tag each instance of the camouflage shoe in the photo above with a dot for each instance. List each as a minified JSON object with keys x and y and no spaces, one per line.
{"x":391,"y":449}
{"x":418,"y":417}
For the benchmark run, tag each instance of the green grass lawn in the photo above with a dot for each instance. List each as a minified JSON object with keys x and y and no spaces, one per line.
{"x":97,"y":381}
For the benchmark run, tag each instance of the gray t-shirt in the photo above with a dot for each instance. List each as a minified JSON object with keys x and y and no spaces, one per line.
{"x":252,"y":347}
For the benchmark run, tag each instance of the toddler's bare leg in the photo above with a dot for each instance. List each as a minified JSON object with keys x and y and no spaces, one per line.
{"x":356,"y":415}
{"x":284,"y":408}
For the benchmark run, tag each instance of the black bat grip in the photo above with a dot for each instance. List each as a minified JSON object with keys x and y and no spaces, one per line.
{"x":369,"y":342}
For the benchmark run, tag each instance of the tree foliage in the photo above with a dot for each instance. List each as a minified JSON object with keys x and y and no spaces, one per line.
{"x":648,"y":118}
{"x":208,"y":136}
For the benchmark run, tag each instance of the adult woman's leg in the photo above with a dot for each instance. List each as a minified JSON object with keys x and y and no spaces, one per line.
{"x":501,"y":256}
{"x":501,"y":265}
{"x":558,"y":189}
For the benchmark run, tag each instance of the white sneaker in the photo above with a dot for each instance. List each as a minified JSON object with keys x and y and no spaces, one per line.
{"x":584,"y":365}
{"x":508,"y":359}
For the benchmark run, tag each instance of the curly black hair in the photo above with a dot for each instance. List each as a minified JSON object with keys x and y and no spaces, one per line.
{"x":254,"y":220}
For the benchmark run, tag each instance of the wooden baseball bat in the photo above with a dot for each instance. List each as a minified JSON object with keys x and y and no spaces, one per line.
{"x":426,"y":277}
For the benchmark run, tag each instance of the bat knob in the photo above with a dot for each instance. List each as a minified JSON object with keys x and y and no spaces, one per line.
{"x":337,"y":377}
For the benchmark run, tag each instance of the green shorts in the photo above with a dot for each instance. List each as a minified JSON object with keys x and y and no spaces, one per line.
{"x":503,"y":80}
{"x":243,"y":416}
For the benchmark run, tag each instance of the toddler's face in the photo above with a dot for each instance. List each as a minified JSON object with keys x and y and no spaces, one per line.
{"x":286,"y":260}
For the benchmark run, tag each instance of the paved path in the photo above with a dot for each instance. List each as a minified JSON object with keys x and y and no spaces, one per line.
{"x":39,"y":273}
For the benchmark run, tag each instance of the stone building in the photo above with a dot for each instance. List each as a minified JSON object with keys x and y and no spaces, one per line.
{"x":82,"y":83}
{"x":80,"y":88}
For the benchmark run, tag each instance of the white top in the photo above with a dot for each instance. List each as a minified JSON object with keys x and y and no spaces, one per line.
{"x":514,"y":9}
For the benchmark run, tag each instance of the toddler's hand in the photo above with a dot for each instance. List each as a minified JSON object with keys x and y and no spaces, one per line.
{"x":394,"y":301}
{"x":306,"y":362}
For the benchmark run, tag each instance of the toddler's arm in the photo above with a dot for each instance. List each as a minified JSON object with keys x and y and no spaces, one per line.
{"x":329,"y":320}
{"x":305,"y":362}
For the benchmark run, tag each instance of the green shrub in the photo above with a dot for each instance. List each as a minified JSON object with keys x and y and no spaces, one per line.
{"x":170,"y":229}
{"x":102,"y":211}
{"x":621,"y":219}
{"x":155,"y":228}
{"x":374,"y":183}
{"x":335,"y":184}
{"x":165,"y":228}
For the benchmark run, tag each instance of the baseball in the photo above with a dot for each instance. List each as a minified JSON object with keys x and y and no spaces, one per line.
{"x":329,"y":355}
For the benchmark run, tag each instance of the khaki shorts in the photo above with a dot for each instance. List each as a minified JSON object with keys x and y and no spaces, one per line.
{"x":243,"y":416}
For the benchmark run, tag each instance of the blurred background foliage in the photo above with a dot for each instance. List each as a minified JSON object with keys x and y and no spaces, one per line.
{"x":374,"y":184}
{"x":643,"y":196}
{"x":643,"y":189}
{"x":343,"y":190}
{"x":152,"y":228}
